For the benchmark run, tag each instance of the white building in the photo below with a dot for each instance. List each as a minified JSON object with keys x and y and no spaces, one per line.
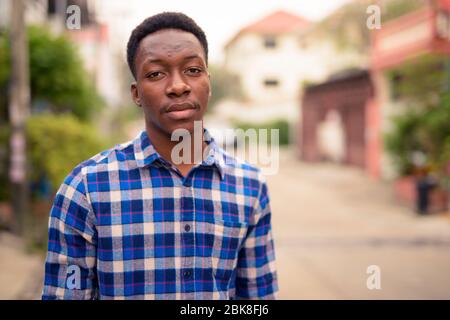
{"x":275,"y":58}
{"x":266,"y":56}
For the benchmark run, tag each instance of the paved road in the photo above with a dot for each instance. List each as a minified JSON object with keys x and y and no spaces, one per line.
{"x":21,"y":273}
{"x":332,"y":222}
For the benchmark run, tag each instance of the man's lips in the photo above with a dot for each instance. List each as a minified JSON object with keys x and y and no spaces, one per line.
{"x":180,"y":107}
{"x":180,"y":111}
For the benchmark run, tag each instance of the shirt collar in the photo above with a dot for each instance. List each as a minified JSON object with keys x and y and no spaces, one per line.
{"x":215,"y":154}
{"x":146,"y":154}
{"x":144,"y":151}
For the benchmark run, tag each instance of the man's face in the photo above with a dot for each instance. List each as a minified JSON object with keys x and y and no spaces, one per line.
{"x":172,"y":81}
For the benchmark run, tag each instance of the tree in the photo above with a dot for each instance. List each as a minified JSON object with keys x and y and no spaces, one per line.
{"x":5,"y":69}
{"x":424,"y":126}
{"x":59,"y":86}
{"x":66,"y":86}
{"x":59,"y":82}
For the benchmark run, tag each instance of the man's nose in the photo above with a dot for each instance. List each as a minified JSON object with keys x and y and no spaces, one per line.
{"x":177,"y":86}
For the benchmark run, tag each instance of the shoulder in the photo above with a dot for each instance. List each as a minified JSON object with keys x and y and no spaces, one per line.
{"x":103,"y":162}
{"x":72,"y":203}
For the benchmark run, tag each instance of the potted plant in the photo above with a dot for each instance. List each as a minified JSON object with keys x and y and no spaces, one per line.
{"x":419,"y":141}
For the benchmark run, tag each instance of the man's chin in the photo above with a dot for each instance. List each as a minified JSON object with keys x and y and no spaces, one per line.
{"x":172,"y":128}
{"x":189,"y":126}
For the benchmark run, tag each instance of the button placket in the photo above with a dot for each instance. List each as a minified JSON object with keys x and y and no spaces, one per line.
{"x":187,"y":236}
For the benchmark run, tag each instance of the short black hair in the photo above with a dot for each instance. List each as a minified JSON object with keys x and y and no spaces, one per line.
{"x":164,"y":20}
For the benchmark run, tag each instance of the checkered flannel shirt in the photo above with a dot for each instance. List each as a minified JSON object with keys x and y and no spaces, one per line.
{"x":126,"y":224}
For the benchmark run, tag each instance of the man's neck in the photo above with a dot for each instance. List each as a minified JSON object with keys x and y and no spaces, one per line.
{"x":164,"y":145}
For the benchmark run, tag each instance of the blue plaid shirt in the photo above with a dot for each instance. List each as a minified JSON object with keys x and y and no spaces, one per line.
{"x":126,"y":224}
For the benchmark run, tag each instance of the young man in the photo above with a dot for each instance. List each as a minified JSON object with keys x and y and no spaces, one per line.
{"x":134,"y":223}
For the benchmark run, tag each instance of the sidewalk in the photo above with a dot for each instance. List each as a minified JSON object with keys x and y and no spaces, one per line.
{"x":21,"y":274}
{"x":331,"y":222}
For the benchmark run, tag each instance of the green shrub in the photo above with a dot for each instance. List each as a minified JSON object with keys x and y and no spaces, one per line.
{"x":280,"y":124}
{"x":401,"y":141}
{"x":57,"y":144}
{"x":425,"y":130}
{"x":425,"y":125}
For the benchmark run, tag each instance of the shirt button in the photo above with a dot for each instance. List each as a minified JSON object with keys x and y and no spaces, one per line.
{"x":187,"y":274}
{"x":187,"y":228}
{"x":187,"y":181}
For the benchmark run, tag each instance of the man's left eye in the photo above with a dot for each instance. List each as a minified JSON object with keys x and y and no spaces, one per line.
{"x":194,"y":70}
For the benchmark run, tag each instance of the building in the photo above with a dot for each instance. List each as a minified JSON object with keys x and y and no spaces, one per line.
{"x":334,"y":119}
{"x":364,"y":100}
{"x":275,"y":58}
{"x":264,"y":56}
{"x":262,"y":53}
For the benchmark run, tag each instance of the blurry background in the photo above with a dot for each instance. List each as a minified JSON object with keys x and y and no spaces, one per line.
{"x":359,"y":90}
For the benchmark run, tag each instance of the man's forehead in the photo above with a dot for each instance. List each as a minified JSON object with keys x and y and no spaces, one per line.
{"x":169,"y":40}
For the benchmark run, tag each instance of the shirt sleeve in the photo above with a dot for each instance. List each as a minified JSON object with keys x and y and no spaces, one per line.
{"x":70,"y":267}
{"x":256,"y":273}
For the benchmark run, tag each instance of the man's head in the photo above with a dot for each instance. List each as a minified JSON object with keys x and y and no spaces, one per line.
{"x":167,"y":55}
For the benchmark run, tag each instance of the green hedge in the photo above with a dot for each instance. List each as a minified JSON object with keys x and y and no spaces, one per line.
{"x":57,"y":144}
{"x":280,"y":124}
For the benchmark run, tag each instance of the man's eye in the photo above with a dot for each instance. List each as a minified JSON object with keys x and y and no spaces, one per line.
{"x":194,"y":70}
{"x":153,"y":75}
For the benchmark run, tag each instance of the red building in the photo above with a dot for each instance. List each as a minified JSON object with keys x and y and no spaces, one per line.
{"x":362,"y":98}
{"x":364,"y":102}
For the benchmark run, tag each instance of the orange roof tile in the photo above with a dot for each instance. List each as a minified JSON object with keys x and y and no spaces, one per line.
{"x":278,"y":22}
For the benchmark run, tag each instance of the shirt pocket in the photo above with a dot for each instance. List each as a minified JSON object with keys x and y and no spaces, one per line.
{"x":228,"y":239}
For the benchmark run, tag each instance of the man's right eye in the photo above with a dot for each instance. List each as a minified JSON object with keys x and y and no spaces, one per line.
{"x":153,"y":75}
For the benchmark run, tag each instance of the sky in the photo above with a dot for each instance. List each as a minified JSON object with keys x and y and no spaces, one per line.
{"x":220,"y":20}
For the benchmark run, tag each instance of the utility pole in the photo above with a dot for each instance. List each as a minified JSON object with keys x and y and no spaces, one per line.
{"x":19,"y":106}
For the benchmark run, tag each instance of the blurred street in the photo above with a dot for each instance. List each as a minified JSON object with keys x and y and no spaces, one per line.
{"x":21,"y":274}
{"x":330,"y":223}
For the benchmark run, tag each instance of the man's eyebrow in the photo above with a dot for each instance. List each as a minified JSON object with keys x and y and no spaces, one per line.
{"x":193,"y":56}
{"x":160,"y":61}
{"x":157,"y":61}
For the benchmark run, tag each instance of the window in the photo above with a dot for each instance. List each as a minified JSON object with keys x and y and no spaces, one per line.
{"x":51,"y":9}
{"x":395,"y":84}
{"x":270,"y":41}
{"x":271,"y":83}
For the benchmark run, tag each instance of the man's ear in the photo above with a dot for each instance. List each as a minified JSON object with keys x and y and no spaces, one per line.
{"x":135,"y":94}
